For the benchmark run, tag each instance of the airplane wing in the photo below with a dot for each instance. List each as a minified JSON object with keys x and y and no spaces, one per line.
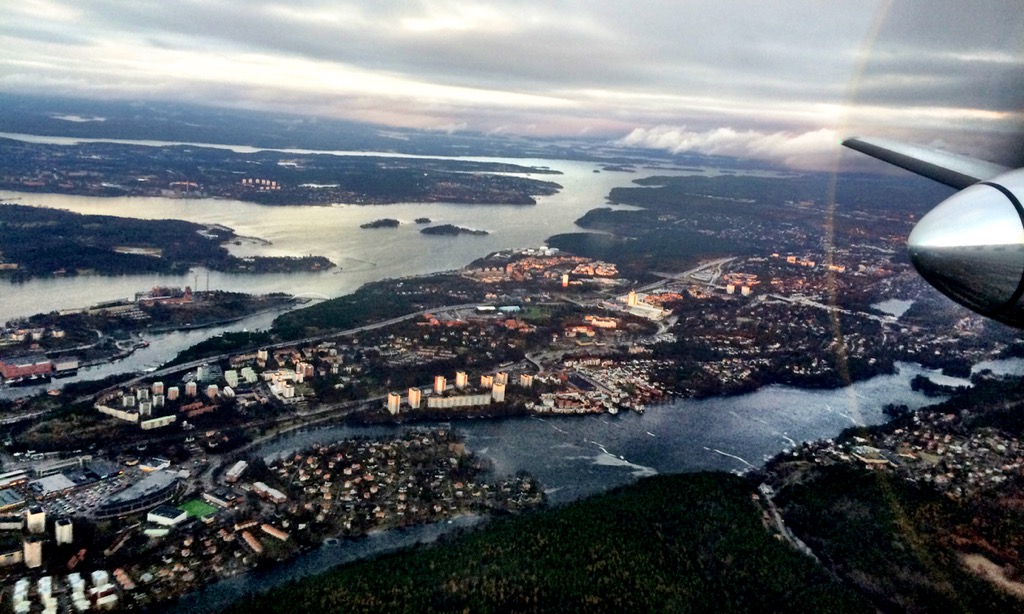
{"x":953,"y":170}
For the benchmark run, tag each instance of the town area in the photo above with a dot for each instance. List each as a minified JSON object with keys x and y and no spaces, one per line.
{"x":199,"y":522}
{"x":148,"y":478}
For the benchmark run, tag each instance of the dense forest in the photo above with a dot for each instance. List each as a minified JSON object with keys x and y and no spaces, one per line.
{"x":742,"y":193}
{"x":896,"y":541}
{"x":452,"y":230}
{"x":682,"y":543}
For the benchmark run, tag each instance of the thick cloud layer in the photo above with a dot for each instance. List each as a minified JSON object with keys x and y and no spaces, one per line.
{"x":816,"y":149}
{"x":932,"y":68}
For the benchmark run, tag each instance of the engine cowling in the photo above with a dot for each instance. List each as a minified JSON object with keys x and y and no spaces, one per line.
{"x":971,"y":247}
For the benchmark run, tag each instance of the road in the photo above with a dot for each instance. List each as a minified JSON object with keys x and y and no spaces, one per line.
{"x":692,"y":274}
{"x":325,"y":413}
{"x":783,"y":530}
{"x":802,"y":300}
{"x":716,"y":267}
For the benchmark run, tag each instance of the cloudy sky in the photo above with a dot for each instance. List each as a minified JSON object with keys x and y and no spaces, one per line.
{"x":776,"y":79}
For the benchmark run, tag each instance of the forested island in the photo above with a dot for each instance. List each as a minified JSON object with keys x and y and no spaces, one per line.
{"x":382,"y":223}
{"x":452,"y":230}
{"x":40,"y":242}
{"x":263,"y":177}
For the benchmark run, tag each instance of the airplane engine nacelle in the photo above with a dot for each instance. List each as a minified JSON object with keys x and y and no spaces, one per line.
{"x":971,"y":247}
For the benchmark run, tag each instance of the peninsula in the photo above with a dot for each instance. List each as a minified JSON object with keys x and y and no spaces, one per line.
{"x":40,"y":242}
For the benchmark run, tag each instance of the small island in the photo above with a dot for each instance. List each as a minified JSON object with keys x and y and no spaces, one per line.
{"x":423,"y":220}
{"x":452,"y":230}
{"x":382,"y":223}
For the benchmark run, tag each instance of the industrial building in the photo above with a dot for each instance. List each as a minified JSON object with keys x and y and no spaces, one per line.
{"x":54,"y":467}
{"x":101,"y":469}
{"x":235,"y":472}
{"x":167,"y":516}
{"x":222,"y":497}
{"x":10,"y":500}
{"x":156,"y":488}
{"x":52,"y":485}
{"x":20,"y":368}
{"x":13,"y":478}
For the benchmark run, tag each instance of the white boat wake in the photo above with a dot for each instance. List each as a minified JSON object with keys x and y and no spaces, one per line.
{"x":742,"y":460}
{"x":608,"y":459}
{"x":562,"y":431}
{"x":850,"y":418}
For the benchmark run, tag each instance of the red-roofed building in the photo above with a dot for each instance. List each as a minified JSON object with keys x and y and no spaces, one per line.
{"x":25,"y":367}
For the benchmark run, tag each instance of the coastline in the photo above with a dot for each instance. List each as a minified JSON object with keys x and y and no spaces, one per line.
{"x":261,"y":580}
{"x":215,"y":596}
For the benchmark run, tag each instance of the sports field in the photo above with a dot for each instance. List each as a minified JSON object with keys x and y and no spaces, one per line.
{"x":197,"y":508}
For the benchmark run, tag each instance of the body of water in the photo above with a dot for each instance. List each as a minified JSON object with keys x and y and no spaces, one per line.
{"x":363,"y":255}
{"x":894,"y":306}
{"x":578,"y":456}
{"x":332,"y":231}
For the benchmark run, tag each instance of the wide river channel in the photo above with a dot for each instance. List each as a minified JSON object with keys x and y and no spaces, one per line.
{"x":583,"y":455}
